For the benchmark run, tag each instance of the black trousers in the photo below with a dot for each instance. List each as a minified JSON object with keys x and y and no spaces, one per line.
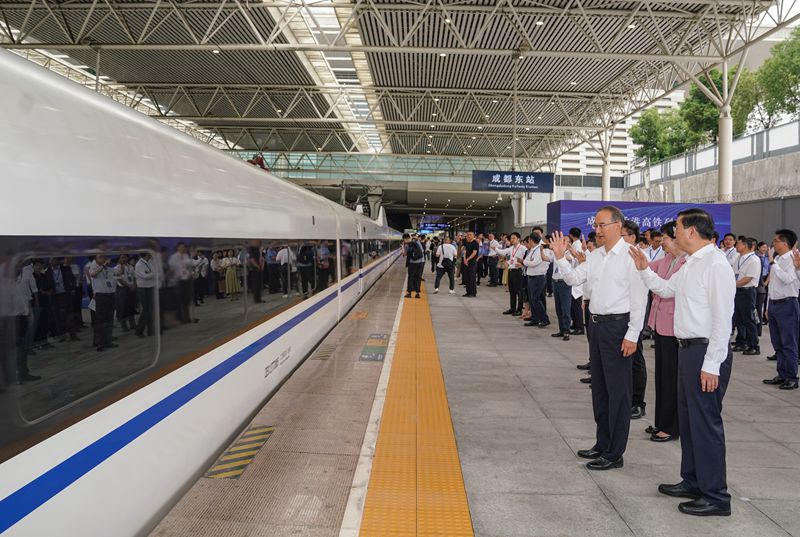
{"x":611,"y":388}
{"x":255,"y":283}
{"x":441,"y":272}
{"x":471,"y":271}
{"x":104,"y":318}
{"x":587,"y":320}
{"x":415,"y":276}
{"x":563,"y":297}
{"x":639,"y":372}
{"x":493,"y":272}
{"x":666,"y":384}
{"x":700,"y":422}
{"x":148,"y":314}
{"x":514,"y":286}
{"x":744,"y":315}
{"x":307,"y":281}
{"x":273,"y":277}
{"x":535,"y":291}
{"x":576,"y":312}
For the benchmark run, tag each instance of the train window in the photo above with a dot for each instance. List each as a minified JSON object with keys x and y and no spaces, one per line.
{"x":348,"y":256}
{"x":74,"y":317}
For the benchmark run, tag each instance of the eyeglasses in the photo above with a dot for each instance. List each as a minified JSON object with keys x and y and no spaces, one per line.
{"x":603,"y":225}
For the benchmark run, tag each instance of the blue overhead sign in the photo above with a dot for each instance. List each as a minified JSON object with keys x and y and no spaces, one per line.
{"x":512,"y":181}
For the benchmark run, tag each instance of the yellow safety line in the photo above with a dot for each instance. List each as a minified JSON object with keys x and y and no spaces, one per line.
{"x":241,"y":447}
{"x":416,"y":487}
{"x":227,"y":474}
{"x":247,"y":438}
{"x":244,"y":462}
{"x":238,"y":455}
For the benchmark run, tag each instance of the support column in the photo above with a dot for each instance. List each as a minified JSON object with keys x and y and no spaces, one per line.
{"x":605,"y":182}
{"x":374,"y":198}
{"x":523,"y":205}
{"x":725,"y":164}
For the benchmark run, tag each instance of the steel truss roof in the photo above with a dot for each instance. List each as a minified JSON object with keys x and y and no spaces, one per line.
{"x":441,"y":72}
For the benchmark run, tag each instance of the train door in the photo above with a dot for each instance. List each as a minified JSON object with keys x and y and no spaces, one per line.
{"x":360,"y":256}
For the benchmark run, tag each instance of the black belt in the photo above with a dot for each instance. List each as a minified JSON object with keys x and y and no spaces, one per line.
{"x":612,"y":317}
{"x":744,"y":289}
{"x":683,"y":343}
{"x":782,"y":300}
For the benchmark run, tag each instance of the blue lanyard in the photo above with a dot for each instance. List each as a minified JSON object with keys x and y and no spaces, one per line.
{"x":739,"y":262}
{"x":654,"y":253}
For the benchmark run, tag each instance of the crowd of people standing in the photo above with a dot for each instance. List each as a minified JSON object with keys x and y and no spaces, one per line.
{"x":699,"y":297}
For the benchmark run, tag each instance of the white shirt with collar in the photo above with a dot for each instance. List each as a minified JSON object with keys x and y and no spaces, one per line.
{"x":654,"y":254}
{"x":615,"y":285}
{"x":587,"y":287}
{"x":577,"y":290}
{"x":493,"y":244}
{"x":145,"y":273}
{"x":516,"y":255}
{"x":535,"y":264}
{"x":731,"y":255}
{"x":748,"y":265}
{"x":704,"y":292}
{"x":783,"y":282}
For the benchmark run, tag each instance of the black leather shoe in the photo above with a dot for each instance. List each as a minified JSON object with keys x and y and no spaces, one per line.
{"x":577,"y":332}
{"x":407,"y":295}
{"x":701,"y":507}
{"x":590,"y":454}
{"x":508,"y":312}
{"x":543,"y":324}
{"x":584,"y":367}
{"x":604,"y":464}
{"x":679,"y":490}
{"x":637,"y":412}
{"x":566,"y":337}
{"x":517,"y":313}
{"x":651,"y":429}
{"x":655,"y":438}
{"x":775,"y":381}
{"x":29,"y":377}
{"x":789,"y":385}
{"x":772,"y":357}
{"x":587,"y":380}
{"x":738,"y":348}
{"x":752,"y":352}
{"x":557,"y":334}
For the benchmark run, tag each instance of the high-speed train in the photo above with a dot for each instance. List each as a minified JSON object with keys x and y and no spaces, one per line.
{"x":154,"y":292}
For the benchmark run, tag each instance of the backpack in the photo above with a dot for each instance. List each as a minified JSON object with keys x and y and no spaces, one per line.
{"x":415,"y":252}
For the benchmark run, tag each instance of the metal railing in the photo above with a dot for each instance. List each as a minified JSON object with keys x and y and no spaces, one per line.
{"x":760,"y":145}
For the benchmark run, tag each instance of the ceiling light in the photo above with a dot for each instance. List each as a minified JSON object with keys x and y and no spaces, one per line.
{"x":426,"y":199}
{"x":473,"y":137}
{"x":436,"y":99}
{"x":520,"y":56}
{"x":469,"y":147}
{"x":473,"y":201}
{"x":278,"y":110}
{"x":448,"y":201}
{"x":429,"y":145}
{"x":215,"y":51}
{"x":434,"y":114}
{"x":486,"y":116}
{"x":433,"y":126}
{"x":573,"y":83}
{"x":447,"y":21}
{"x":442,"y":54}
{"x":539,"y":23}
{"x":540,"y":117}
{"x":480,"y":128}
{"x":428,"y":152}
{"x":631,"y":26}
{"x":494,"y":101}
{"x":319,"y":149}
{"x":508,"y":147}
{"x":527,"y":128}
{"x":429,"y":136}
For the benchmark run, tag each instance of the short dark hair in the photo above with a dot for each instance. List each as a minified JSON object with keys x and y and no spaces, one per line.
{"x":575,"y":232}
{"x":616,"y":214}
{"x":716,"y":236}
{"x":406,"y":236}
{"x":654,"y":233}
{"x":513,"y":233}
{"x":592,"y":235}
{"x":537,"y":228}
{"x":788,"y":236}
{"x":700,"y":220}
{"x":760,"y":244}
{"x":747,"y":242}
{"x":536,"y":238}
{"x":729,"y":235}
{"x":632,"y":228}
{"x":668,"y":229}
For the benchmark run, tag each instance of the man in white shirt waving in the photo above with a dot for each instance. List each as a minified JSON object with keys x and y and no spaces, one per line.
{"x":617,"y":313}
{"x":704,"y":290}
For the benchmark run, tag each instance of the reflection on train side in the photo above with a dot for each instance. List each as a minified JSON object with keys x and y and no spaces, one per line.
{"x":84,"y":321}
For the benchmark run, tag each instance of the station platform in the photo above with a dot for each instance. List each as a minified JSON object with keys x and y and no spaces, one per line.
{"x":440,"y":416}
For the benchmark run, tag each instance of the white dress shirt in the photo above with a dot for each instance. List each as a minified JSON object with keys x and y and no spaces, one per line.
{"x":616,"y":286}
{"x":704,"y":291}
{"x":577,"y":290}
{"x":587,"y":287}
{"x":654,"y":254}
{"x":535,"y":264}
{"x":731,"y":255}
{"x":748,"y":265}
{"x":103,"y":280}
{"x":493,"y":244}
{"x":515,"y":253}
{"x":144,"y":273}
{"x":446,"y":251}
{"x":783,"y":282}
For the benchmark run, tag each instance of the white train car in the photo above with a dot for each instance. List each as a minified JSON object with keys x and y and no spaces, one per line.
{"x":115,"y":393}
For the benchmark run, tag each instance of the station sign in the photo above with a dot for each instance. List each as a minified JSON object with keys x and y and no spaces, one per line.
{"x":500,"y":181}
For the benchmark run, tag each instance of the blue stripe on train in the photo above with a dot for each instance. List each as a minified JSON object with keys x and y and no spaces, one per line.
{"x":30,"y":497}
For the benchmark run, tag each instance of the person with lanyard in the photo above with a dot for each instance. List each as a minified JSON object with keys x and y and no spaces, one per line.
{"x":704,"y":293}
{"x":661,"y":320}
{"x":104,"y":285}
{"x":729,"y":249}
{"x":446,"y":264}
{"x":562,"y":296}
{"x":536,"y":266}
{"x":471,"y":248}
{"x":483,"y":252}
{"x":762,"y":252}
{"x":784,"y":310}
{"x":515,"y":253}
{"x":655,"y":251}
{"x":145,"y":278}
{"x":415,"y":262}
{"x":492,"y":259}
{"x":748,"y":272}
{"x":599,"y":242}
{"x":617,"y":314}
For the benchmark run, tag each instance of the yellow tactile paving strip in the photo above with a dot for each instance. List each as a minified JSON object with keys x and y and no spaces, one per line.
{"x":416,"y":487}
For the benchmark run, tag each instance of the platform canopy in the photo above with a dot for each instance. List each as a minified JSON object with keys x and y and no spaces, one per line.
{"x":519,"y":79}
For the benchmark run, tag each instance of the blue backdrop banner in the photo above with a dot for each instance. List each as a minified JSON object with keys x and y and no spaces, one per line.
{"x":512,"y":181}
{"x":565,"y":214}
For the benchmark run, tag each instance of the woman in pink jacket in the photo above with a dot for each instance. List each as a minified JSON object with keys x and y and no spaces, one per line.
{"x":662,"y":313}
